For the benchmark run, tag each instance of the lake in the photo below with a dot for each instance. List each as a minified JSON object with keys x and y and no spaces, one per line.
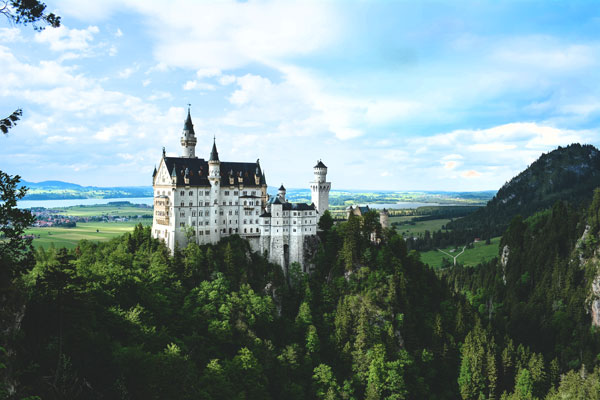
{"x":149,"y":201}
{"x":81,"y":202}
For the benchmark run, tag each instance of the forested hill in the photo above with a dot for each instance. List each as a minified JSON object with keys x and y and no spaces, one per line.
{"x":568,"y":173}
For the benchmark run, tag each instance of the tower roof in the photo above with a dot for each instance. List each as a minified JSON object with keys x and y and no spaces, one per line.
{"x":188,"y":125}
{"x":320,"y":165}
{"x":281,"y":187}
{"x":214,"y":155}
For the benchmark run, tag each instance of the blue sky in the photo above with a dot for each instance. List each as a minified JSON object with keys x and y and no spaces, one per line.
{"x":455,"y":96}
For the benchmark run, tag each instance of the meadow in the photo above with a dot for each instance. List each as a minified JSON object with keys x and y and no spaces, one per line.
{"x":471,"y":257}
{"x":115,"y":210}
{"x":410,"y":229}
{"x":93,"y":231}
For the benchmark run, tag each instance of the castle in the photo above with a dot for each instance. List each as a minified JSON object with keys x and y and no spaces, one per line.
{"x":203,"y":201}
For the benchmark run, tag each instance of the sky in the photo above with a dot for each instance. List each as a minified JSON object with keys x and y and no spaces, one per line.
{"x":391,"y":95}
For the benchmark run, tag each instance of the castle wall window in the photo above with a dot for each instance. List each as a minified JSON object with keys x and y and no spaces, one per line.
{"x":193,"y":223}
{"x":245,"y":230}
{"x":224,"y":203}
{"x":191,"y":193}
{"x":253,"y":193}
{"x":207,"y":232}
{"x":193,"y":213}
{"x":200,"y":233}
{"x":227,"y":193}
{"x":182,"y":204}
{"x":182,"y":214}
{"x":294,"y":229}
{"x":220,"y":212}
{"x":182,"y":193}
{"x":230,"y":203}
{"x":191,"y":203}
{"x":235,"y":193}
{"x":206,"y":204}
{"x":207,"y":193}
{"x":245,"y":193}
{"x":182,"y":224}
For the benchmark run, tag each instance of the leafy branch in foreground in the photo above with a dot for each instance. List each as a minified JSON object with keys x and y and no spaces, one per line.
{"x":28,"y":12}
{"x":10,"y":121}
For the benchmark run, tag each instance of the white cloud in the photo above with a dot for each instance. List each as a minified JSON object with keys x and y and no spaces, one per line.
{"x":196,"y":85}
{"x":63,"y":38}
{"x":208,"y":73}
{"x":127,"y":72}
{"x":118,"y":33}
{"x":10,"y":35}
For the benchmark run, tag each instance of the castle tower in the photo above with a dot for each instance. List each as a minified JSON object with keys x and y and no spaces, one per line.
{"x":188,"y":138}
{"x":320,"y":188}
{"x":214,"y":165}
{"x":384,"y":219}
{"x":281,"y":193}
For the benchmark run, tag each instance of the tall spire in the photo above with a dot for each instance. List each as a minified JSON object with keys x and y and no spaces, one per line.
{"x":214,"y":155}
{"x":188,"y":137}
{"x":188,"y":125}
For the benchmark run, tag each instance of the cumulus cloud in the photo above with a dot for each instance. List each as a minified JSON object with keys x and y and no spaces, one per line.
{"x":197,"y":85}
{"x":9,"y":35}
{"x":63,"y":38}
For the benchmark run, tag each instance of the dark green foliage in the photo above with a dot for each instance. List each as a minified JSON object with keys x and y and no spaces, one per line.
{"x":568,"y":173}
{"x":10,"y":121}
{"x":28,"y":12}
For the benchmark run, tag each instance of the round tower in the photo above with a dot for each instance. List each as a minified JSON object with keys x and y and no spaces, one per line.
{"x":214,"y":165}
{"x":281,"y":193}
{"x":188,"y":138}
{"x":320,"y":188}
{"x":384,"y":219}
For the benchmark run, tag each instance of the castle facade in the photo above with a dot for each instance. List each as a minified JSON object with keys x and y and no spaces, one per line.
{"x":203,"y":201}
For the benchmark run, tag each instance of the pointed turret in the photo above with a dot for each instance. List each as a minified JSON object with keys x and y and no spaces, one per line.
{"x":214,"y":165}
{"x":188,"y":137}
{"x":214,"y":155}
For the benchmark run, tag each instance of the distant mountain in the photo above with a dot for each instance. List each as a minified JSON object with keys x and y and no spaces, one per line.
{"x":568,"y":173}
{"x":54,"y":190}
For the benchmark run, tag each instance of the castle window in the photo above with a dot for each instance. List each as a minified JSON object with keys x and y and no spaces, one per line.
{"x":191,"y":193}
{"x":256,"y":222}
{"x":294,"y":229}
{"x":182,"y":224}
{"x":244,"y":221}
{"x":207,"y":192}
{"x":191,"y":203}
{"x":244,"y":202}
{"x":253,"y":193}
{"x":245,"y":230}
{"x":235,"y":193}
{"x":193,"y":223}
{"x":220,"y":212}
{"x":193,"y":213}
{"x":250,"y":230}
{"x":227,"y":193}
{"x":182,"y":214}
{"x":207,"y":232}
{"x":206,"y":204}
{"x":294,"y":221}
{"x":236,"y":203}
{"x":230,"y":203}
{"x":245,"y":193}
{"x":182,"y":204}
{"x":236,"y":212}
{"x":182,"y":193}
{"x":230,"y":212}
{"x":200,"y":233}
{"x":224,"y":221}
{"x":224,"y":203}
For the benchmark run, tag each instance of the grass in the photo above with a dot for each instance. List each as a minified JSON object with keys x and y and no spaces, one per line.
{"x":471,"y":257}
{"x":93,"y":231}
{"x":126,"y":210}
{"x":419,"y":227}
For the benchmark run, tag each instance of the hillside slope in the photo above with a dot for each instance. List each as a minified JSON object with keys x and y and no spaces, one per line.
{"x":568,"y":173}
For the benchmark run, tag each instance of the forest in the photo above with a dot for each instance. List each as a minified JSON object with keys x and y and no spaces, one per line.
{"x":126,"y":319}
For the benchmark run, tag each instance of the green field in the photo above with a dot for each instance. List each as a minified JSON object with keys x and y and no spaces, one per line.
{"x":125,"y":210}
{"x":471,"y":257}
{"x":419,"y":227}
{"x":93,"y":231}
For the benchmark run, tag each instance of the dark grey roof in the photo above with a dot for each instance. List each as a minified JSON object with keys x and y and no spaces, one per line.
{"x":265,"y":215}
{"x":298,"y":206}
{"x":320,"y":165}
{"x":281,"y":187}
{"x":154,"y":173}
{"x":214,"y":155}
{"x":188,"y":126}
{"x":198,"y":171}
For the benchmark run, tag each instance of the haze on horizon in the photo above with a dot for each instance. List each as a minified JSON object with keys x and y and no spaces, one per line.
{"x":390,"y":95}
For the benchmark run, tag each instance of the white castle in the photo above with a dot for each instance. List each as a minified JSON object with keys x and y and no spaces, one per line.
{"x":204,"y":201}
